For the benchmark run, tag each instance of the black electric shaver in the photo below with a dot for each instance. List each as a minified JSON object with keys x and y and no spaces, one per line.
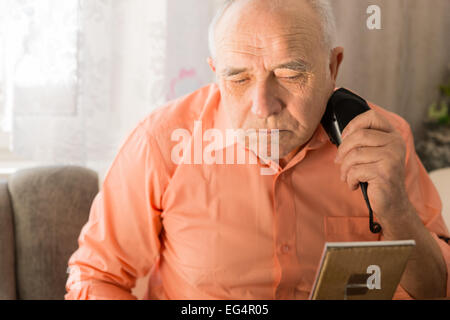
{"x":342,"y":107}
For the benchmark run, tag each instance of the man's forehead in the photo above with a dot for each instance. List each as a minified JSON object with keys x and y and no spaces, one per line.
{"x":295,"y":54}
{"x":266,"y":33}
{"x":293,"y":41}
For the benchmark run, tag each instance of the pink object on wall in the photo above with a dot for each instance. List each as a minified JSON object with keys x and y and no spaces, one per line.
{"x":181,"y":84}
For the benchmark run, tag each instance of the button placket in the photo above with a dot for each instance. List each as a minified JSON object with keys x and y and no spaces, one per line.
{"x":285,"y":236}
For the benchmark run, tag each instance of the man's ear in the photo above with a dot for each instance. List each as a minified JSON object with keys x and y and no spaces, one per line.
{"x":337,"y":55}
{"x":211,"y":64}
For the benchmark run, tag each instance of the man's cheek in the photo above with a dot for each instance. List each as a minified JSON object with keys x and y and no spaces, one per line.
{"x":238,"y":115}
{"x":307,"y":109}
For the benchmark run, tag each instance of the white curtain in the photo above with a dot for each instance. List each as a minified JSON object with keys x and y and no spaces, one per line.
{"x":80,"y":74}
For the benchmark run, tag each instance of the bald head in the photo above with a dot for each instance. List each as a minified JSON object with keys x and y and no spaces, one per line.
{"x":322,"y":10}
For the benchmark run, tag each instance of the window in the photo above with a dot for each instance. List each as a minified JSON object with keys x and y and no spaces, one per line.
{"x":38,"y":57}
{"x":38,"y":65}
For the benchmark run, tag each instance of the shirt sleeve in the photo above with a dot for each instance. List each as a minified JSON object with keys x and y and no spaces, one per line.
{"x":425,"y":198}
{"x":120,"y":241}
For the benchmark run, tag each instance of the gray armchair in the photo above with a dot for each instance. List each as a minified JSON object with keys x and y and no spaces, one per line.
{"x":42,"y":211}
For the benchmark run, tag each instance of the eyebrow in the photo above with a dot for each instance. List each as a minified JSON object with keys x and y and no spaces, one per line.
{"x":228,"y":72}
{"x":296,"y":65}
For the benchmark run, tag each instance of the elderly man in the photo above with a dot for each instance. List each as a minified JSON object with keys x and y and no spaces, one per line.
{"x":225,"y":231}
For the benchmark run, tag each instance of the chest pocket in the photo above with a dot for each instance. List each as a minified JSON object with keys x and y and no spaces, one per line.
{"x":349,"y":229}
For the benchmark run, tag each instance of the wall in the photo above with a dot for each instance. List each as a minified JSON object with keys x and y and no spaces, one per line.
{"x":400,"y":66}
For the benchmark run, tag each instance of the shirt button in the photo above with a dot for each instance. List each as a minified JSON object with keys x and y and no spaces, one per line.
{"x":285,"y":248}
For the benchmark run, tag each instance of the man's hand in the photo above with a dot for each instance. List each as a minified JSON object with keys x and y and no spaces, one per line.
{"x":373,"y":151}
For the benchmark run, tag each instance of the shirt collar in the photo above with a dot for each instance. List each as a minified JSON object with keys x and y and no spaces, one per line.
{"x":318,"y":139}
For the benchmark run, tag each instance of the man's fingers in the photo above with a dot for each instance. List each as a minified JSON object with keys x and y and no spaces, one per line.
{"x":361,"y":173}
{"x":358,"y":156}
{"x":368,"y":120}
{"x":362,"y":138}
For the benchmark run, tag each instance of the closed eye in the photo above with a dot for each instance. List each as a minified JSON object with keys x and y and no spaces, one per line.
{"x":239,"y":81}
{"x":292,"y":78}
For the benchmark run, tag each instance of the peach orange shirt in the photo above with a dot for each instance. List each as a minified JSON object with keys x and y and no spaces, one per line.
{"x":218,"y":231}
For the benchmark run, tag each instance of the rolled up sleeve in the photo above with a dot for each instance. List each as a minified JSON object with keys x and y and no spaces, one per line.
{"x":425,"y":198}
{"x":120,"y":241}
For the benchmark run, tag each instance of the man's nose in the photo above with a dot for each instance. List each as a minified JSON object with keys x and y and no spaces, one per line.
{"x":265,"y":101}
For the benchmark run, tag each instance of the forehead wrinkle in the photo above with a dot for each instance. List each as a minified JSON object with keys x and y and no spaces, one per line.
{"x":295,"y":59}
{"x":268,"y":25}
{"x":295,"y":37}
{"x":291,"y":39}
{"x":237,"y":46}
